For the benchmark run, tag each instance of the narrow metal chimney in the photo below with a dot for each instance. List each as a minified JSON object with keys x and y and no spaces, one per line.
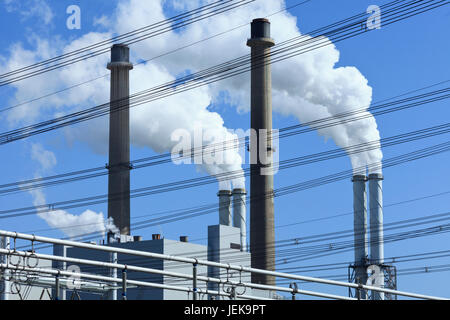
{"x":360,"y":227}
{"x":376,"y":226}
{"x":156,"y":236}
{"x":239,"y":215}
{"x":224,"y":207}
{"x":119,"y":139}
{"x":262,"y":230}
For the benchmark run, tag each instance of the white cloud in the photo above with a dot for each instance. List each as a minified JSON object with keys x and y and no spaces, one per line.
{"x":46,"y":158}
{"x":31,"y":8}
{"x":70,"y":224}
{"x":308,"y":86}
{"x":102,"y":21}
{"x":76,"y":225}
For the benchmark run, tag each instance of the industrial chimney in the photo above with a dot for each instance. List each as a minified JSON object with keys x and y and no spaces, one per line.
{"x":239,"y":215}
{"x":262,"y":232}
{"x":119,"y":139}
{"x":376,"y":227}
{"x":224,"y":207}
{"x":360,"y":228}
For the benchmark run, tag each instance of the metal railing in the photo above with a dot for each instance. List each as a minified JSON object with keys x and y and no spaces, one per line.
{"x":27,"y":256}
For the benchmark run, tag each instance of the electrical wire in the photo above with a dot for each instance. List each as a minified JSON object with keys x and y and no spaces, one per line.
{"x":214,"y":74}
{"x":195,"y":182}
{"x":339,"y":119}
{"x":130,"y":38}
{"x":412,"y":156}
{"x":143,"y":61}
{"x":231,"y":256}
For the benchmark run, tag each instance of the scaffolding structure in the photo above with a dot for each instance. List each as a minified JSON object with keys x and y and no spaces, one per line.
{"x":388,"y":274}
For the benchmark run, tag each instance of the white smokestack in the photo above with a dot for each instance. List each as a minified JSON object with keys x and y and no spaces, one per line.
{"x":239,"y":215}
{"x":376,"y":226}
{"x":224,"y":207}
{"x":376,"y":218}
{"x":360,"y":226}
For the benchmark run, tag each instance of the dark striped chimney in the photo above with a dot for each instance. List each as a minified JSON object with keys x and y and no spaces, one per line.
{"x":119,"y":139}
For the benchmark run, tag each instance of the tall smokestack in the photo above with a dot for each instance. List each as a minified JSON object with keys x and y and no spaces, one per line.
{"x":376,"y":226}
{"x":119,"y":139}
{"x":239,"y":215}
{"x":224,"y":207}
{"x":360,"y":227}
{"x":262,"y":232}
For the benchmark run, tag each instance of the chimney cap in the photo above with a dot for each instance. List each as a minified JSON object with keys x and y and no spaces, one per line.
{"x":359,"y":177}
{"x":261,"y":20}
{"x":376,"y":176}
{"x":239,"y":191}
{"x":260,"y":28}
{"x":224,"y":193}
{"x":120,"y":53}
{"x":156,"y":236}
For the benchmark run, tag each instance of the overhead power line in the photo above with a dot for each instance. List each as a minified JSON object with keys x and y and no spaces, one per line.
{"x":400,"y":273}
{"x":143,"y":61}
{"x":102,"y":47}
{"x":233,"y":256}
{"x":195,"y":182}
{"x":283,"y":51}
{"x":427,"y":255}
{"x":190,"y":213}
{"x":340,"y":119}
{"x":292,"y":224}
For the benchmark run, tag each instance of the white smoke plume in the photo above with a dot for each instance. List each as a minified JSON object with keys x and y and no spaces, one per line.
{"x":308,"y":86}
{"x":70,"y":224}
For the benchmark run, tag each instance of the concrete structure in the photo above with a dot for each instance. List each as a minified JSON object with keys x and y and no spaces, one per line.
{"x":240,"y":215}
{"x":262,"y":229}
{"x":224,"y":207}
{"x":119,"y":139}
{"x":223,"y":247}
{"x":376,"y":226}
{"x":163,"y":246}
{"x":360,"y":227}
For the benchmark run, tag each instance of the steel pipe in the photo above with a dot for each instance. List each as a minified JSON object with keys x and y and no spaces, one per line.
{"x":124,"y":284}
{"x":208,"y":263}
{"x":173,"y":274}
{"x":376,"y":226}
{"x":109,"y":279}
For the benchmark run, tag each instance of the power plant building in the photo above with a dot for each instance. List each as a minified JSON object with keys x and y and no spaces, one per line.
{"x":228,"y":241}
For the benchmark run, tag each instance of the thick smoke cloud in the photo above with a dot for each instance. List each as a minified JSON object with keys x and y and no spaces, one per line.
{"x":308,"y":86}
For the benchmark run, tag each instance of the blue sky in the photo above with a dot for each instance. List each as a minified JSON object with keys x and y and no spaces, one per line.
{"x":394,"y":60}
